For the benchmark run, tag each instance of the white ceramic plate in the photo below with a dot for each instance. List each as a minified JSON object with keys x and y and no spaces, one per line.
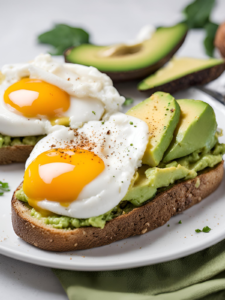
{"x":162,"y":244}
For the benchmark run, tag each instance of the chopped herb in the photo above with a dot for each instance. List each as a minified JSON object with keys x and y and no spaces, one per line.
{"x":128,"y":101}
{"x":113,"y":176}
{"x":122,"y":181}
{"x":135,"y":126}
{"x":180,"y":222}
{"x":103,"y":123}
{"x":167,"y":109}
{"x":168,"y":225}
{"x":164,"y":127}
{"x":4,"y":187}
{"x":93,"y":112}
{"x":206,"y":229}
{"x":131,"y":144}
{"x":165,"y":114}
{"x":131,"y":123}
{"x":62,"y":37}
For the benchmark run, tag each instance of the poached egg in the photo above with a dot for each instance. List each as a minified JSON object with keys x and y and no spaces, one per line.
{"x":86,"y":172}
{"x":36,"y":95}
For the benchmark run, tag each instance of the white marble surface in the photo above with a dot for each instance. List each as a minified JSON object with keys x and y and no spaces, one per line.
{"x":108,"y":21}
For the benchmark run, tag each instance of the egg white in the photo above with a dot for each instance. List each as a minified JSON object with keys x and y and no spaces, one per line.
{"x":127,"y":137}
{"x":92,"y":95}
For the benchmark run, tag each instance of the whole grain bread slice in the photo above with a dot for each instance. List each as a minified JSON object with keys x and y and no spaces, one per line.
{"x":139,"y":221}
{"x":17,"y":153}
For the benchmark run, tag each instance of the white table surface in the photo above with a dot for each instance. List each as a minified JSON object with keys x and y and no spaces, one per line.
{"x":108,"y":21}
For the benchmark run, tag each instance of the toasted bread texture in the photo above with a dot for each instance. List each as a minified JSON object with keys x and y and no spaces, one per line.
{"x":139,"y":221}
{"x":12,"y":154}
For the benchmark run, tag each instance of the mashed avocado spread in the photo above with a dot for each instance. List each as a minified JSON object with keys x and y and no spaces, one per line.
{"x":146,"y":184}
{"x":6,"y":141}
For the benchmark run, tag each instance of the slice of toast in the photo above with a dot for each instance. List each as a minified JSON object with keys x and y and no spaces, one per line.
{"x":139,"y":221}
{"x":17,"y":153}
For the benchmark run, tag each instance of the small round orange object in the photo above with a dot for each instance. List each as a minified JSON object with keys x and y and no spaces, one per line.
{"x":35,"y":98}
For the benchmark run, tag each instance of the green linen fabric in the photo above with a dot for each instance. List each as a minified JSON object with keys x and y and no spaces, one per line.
{"x":197,"y":276}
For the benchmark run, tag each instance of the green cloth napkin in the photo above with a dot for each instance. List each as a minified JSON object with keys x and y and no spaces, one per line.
{"x":197,"y":276}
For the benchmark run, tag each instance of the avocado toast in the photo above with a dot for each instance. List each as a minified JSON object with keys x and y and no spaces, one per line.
{"x":159,"y":189}
{"x":16,"y":149}
{"x":38,"y":96}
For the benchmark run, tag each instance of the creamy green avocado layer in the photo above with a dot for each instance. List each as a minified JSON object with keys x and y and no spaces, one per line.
{"x":146,"y":184}
{"x":6,"y":141}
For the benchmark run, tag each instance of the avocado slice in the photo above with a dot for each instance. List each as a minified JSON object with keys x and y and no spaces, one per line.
{"x":162,"y":113}
{"x":181,"y":73}
{"x":196,"y":129}
{"x":150,"y":179}
{"x":123,"y":62}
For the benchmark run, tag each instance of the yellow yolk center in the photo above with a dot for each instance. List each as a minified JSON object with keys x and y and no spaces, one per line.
{"x":36,"y":98}
{"x":60,"y":175}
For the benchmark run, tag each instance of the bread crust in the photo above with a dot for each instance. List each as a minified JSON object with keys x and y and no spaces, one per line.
{"x":139,"y":221}
{"x":12,"y":154}
{"x":196,"y":78}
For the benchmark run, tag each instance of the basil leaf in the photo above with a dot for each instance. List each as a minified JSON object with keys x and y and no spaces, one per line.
{"x":210,"y":29}
{"x":62,"y":37}
{"x":198,"y":13}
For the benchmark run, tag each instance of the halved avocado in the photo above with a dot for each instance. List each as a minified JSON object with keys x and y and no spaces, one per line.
{"x":180,"y":73}
{"x":123,"y":62}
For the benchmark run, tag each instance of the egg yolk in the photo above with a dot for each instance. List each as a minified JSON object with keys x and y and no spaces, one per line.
{"x":35,"y":98}
{"x":60,"y":175}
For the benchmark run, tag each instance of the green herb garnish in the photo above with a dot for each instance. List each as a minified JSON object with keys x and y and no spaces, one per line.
{"x":210,"y":29}
{"x":131,"y":123}
{"x":93,"y":112}
{"x":62,"y":37}
{"x":197,"y":15}
{"x":128,"y":101}
{"x":206,"y":229}
{"x":4,"y":187}
{"x":180,"y":222}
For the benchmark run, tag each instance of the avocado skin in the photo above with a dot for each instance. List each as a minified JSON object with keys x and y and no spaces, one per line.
{"x":139,"y":73}
{"x":196,"y":78}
